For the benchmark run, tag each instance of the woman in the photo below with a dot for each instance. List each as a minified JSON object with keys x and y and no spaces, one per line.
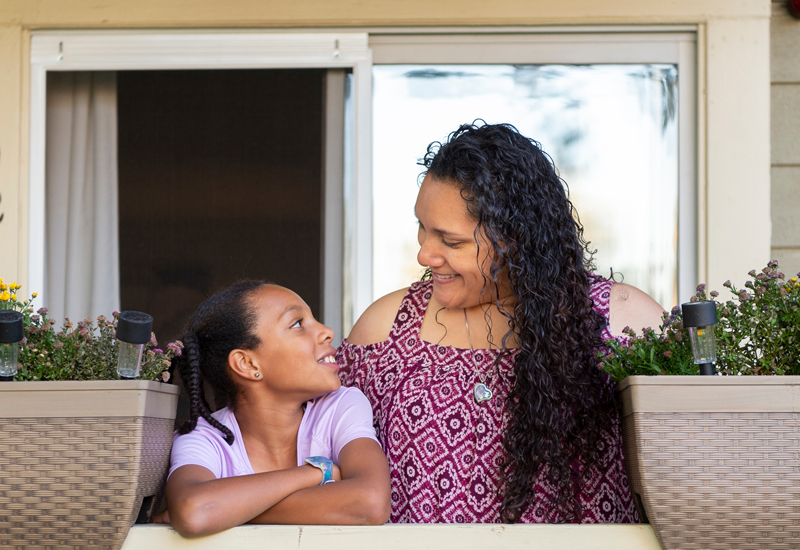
{"x":289,"y":429}
{"x":483,"y":376}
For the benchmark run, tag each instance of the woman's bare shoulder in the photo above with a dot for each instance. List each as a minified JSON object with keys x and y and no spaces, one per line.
{"x":376,"y":322}
{"x":630,"y":307}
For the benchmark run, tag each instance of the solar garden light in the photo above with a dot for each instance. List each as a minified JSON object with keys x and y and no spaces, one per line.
{"x":10,"y":336}
{"x":700,"y":318}
{"x":133,"y":332}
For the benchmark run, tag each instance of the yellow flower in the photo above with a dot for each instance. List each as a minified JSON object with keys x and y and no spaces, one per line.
{"x":2,"y":286}
{"x":14,"y":297}
{"x":35,"y":294}
{"x":14,"y":286}
{"x":4,"y":296}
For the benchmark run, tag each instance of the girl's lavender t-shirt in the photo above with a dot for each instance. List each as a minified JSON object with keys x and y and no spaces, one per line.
{"x":329,"y":423}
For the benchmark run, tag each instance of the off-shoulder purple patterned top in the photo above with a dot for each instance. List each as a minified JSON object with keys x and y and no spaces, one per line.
{"x":444,"y":449}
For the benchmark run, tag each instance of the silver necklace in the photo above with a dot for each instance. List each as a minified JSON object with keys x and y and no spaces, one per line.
{"x":481,"y":392}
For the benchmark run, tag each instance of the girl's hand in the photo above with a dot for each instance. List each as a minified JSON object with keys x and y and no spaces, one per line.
{"x":337,"y":474}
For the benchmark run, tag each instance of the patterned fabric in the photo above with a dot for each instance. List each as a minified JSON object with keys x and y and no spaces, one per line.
{"x":444,"y":449}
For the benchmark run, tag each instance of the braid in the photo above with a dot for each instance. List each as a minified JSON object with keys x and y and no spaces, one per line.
{"x":192,"y":380}
{"x":221,"y":324}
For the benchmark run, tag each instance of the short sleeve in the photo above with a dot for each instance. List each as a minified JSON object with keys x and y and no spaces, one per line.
{"x":351,"y":420}
{"x":198,"y":447}
{"x":355,"y":363}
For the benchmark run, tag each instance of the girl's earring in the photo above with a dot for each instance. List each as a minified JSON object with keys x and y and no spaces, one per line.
{"x":257,"y":374}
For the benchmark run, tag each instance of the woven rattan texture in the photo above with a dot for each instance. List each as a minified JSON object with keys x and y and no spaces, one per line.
{"x":77,"y":482}
{"x":726,"y":481}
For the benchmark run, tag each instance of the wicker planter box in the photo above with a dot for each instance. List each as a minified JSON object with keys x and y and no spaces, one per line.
{"x":77,"y":459}
{"x":715,"y":460}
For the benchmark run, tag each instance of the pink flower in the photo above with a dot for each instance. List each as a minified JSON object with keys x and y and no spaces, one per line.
{"x":173,"y":347}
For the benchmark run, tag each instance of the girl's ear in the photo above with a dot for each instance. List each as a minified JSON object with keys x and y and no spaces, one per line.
{"x":243,"y":363}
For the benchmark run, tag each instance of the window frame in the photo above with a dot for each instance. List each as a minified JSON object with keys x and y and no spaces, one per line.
{"x":597,"y":45}
{"x":246,"y":49}
{"x":358,"y":50}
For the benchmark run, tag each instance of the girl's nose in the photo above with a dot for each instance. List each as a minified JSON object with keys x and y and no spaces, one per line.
{"x":325,"y":334}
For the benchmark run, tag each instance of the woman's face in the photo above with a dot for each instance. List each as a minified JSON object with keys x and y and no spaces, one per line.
{"x":295,"y":357}
{"x":448,"y":246}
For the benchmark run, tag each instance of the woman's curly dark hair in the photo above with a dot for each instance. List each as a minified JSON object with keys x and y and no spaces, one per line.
{"x":561,"y":405}
{"x":221,"y":324}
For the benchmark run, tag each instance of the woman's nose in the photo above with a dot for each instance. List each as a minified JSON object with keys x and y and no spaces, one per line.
{"x":427,"y":255}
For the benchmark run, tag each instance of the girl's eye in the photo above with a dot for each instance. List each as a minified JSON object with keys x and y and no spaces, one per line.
{"x":297,"y":324}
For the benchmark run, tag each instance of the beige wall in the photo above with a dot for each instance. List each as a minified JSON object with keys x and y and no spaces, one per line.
{"x":785,"y":138}
{"x":733,"y":102}
{"x":326,"y":13}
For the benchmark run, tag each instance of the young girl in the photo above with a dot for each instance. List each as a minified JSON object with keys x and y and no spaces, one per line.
{"x":288,"y":431}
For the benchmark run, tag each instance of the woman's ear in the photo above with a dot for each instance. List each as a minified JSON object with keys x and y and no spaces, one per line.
{"x":243,"y":363}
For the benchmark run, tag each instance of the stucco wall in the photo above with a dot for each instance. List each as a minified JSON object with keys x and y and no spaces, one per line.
{"x":785,"y":138}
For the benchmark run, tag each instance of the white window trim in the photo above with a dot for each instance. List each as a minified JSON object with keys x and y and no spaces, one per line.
{"x":337,"y":48}
{"x":162,"y":50}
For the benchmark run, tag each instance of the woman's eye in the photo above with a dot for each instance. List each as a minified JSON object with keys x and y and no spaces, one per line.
{"x":449,"y":244}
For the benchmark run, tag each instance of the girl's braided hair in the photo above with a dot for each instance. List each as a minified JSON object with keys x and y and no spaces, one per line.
{"x":561,"y":406}
{"x":223,"y":323}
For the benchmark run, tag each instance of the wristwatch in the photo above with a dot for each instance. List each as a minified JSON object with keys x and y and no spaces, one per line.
{"x":324,"y":464}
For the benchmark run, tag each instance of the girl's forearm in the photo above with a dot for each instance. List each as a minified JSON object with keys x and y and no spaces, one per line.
{"x":208,"y":507}
{"x":347,"y":502}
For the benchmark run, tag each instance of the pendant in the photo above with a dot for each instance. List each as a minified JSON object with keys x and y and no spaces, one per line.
{"x":482,"y":393}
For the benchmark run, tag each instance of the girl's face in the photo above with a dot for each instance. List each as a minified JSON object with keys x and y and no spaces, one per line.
{"x":448,"y":246}
{"x":295,"y":357}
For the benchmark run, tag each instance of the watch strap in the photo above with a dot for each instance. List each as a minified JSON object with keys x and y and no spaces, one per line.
{"x":324,"y":464}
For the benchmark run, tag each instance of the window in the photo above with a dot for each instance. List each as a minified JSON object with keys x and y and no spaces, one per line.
{"x":533,"y":67}
{"x":612,"y":129}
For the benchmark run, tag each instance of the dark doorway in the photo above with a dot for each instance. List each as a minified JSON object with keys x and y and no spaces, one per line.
{"x":220,"y":179}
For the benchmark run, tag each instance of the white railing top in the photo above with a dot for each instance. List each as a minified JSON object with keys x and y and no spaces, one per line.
{"x":402,"y":537}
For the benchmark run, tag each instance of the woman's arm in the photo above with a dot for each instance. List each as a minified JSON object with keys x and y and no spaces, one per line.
{"x":630,"y":307}
{"x":362,"y":497}
{"x":200,"y":504}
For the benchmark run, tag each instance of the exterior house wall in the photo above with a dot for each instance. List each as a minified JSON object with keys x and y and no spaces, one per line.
{"x":733,"y":91}
{"x":785,"y":138}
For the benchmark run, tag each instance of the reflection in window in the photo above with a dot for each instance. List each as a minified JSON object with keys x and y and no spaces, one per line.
{"x":611,"y":130}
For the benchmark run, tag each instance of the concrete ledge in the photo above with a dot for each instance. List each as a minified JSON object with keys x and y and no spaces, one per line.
{"x":391,"y":537}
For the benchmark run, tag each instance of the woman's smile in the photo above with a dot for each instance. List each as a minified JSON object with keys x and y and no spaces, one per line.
{"x":443,"y":279}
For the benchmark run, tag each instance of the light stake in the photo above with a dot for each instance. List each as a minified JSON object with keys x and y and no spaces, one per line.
{"x":133,"y":332}
{"x":10,"y":335}
{"x":699,"y":318}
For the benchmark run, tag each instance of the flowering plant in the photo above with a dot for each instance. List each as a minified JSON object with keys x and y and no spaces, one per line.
{"x":758,"y":333}
{"x":85,"y":350}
